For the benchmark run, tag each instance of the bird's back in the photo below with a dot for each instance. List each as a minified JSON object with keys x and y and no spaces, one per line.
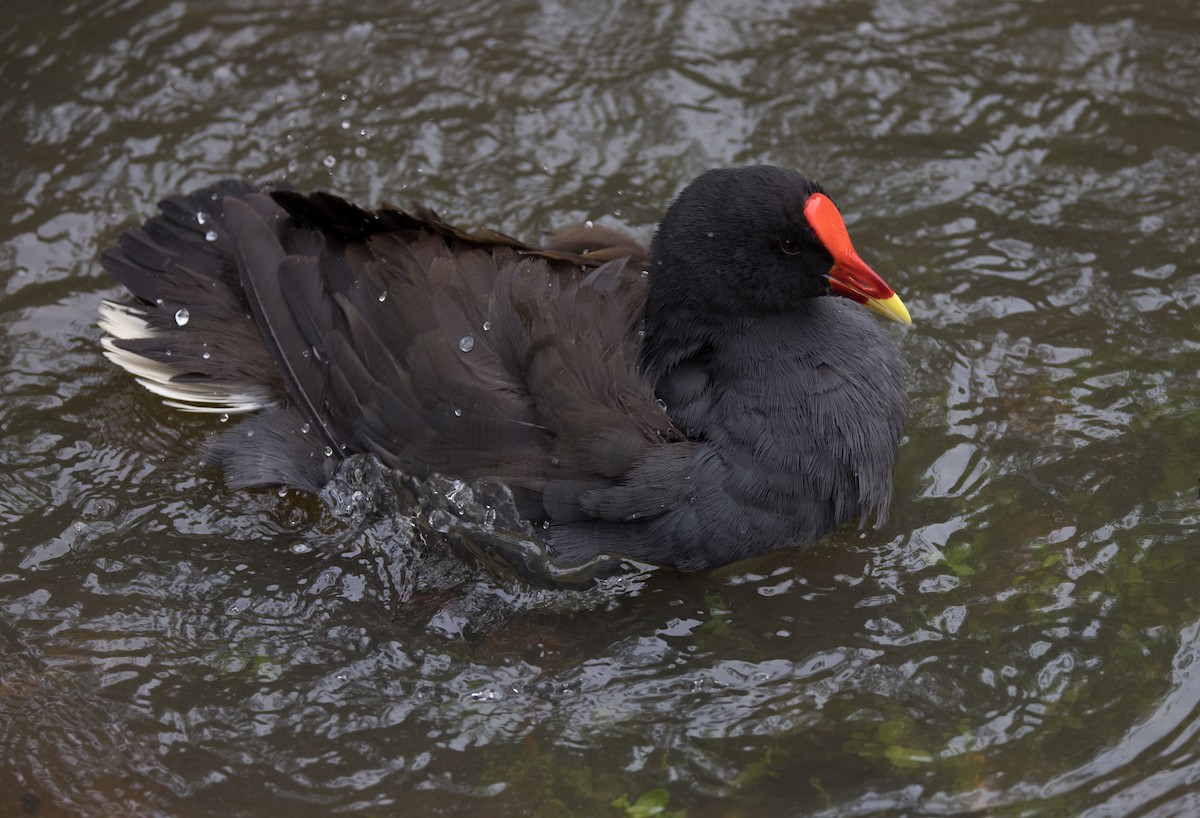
{"x":389,"y":332}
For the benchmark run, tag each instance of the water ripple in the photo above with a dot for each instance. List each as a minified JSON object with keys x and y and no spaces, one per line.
{"x":1020,"y":636}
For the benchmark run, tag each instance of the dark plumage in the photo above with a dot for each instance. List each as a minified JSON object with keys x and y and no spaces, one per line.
{"x":720,"y":405}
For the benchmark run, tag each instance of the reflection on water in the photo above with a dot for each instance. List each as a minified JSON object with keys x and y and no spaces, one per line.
{"x":1020,"y":638}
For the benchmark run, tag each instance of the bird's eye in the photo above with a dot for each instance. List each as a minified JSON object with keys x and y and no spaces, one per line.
{"x":789,"y":246}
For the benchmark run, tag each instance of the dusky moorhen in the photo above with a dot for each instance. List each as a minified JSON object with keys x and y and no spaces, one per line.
{"x":707,"y":401}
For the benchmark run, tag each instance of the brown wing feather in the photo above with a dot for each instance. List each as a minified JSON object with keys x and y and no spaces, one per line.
{"x":436,"y":349}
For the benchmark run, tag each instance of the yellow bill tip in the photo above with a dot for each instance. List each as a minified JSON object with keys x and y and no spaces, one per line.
{"x":891,"y":307}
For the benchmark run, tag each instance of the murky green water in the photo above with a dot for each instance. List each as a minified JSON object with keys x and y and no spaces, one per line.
{"x":1022,"y":638}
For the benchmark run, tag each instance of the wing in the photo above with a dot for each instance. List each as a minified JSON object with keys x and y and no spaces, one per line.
{"x":395,"y":333}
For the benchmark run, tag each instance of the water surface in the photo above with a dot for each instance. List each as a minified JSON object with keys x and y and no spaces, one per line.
{"x":1021,"y":638}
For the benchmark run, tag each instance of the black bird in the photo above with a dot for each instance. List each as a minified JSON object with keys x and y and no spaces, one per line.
{"x":718,"y":397}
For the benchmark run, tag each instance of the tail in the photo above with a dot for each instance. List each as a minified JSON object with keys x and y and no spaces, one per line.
{"x":190,"y":337}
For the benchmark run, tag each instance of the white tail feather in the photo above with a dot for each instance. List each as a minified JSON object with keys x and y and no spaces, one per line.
{"x":125,"y":323}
